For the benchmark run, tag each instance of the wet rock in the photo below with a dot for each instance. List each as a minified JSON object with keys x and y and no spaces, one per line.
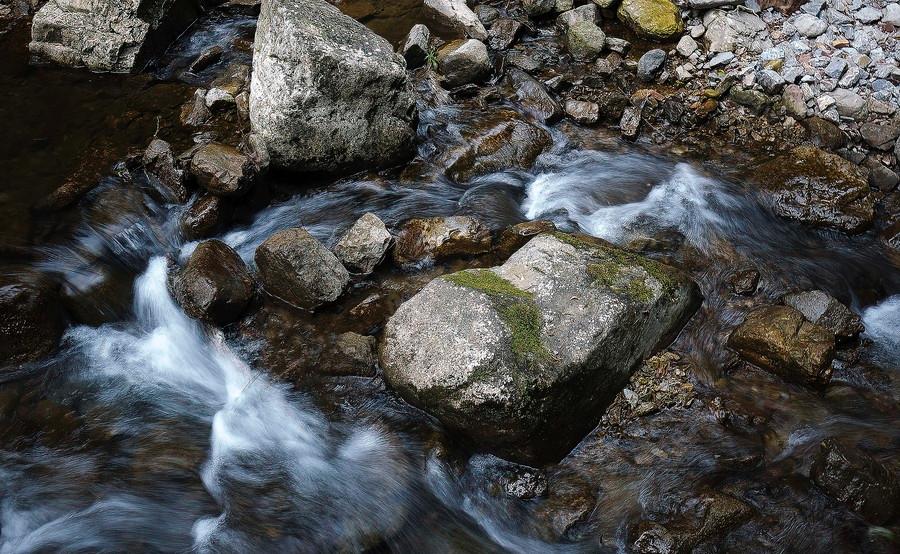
{"x":587,"y":12}
{"x":779,"y":339}
{"x":296,"y":268}
{"x":214,"y":285}
{"x":464,"y":61}
{"x":364,"y":245}
{"x":852,"y":477}
{"x":208,"y":57}
{"x":824,"y":134}
{"x":195,"y":113}
{"x":205,"y":217}
{"x":753,"y":100}
{"x":824,"y":310}
{"x":653,"y":19}
{"x":222,"y":170}
{"x":630,"y":123}
{"x":97,"y":295}
{"x":538,"y":8}
{"x":880,"y":135}
{"x":503,"y":33}
{"x":160,"y":161}
{"x":586,"y":113}
{"x":487,"y":14}
{"x":31,"y":322}
{"x":506,"y":145}
{"x":115,"y":37}
{"x":569,"y":503}
{"x":349,"y":354}
{"x":707,"y":518}
{"x":534,"y":96}
{"x":880,"y":177}
{"x":819,"y":188}
{"x":585,"y":40}
{"x":416,"y":46}
{"x":505,"y":355}
{"x":457,"y":15}
{"x":517,"y":236}
{"x":440,"y":237}
{"x":651,"y":64}
{"x":744,"y":282}
{"x":508,"y":479}
{"x":328,"y":95}
{"x":219,"y":100}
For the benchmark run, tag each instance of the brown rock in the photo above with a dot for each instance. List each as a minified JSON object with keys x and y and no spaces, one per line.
{"x":159,"y":160}
{"x":511,"y":143}
{"x":517,"y":236}
{"x":214,"y":285}
{"x":31,"y":322}
{"x":205,"y":217}
{"x":440,"y":237}
{"x":223,"y":170}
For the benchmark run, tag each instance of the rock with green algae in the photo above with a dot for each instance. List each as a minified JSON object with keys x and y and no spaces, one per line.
{"x":523,"y":359}
{"x":654,"y":19}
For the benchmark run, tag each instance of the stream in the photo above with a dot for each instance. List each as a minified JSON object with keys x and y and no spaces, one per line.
{"x":149,"y":431}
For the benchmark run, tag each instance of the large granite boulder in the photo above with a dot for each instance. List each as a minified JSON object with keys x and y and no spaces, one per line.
{"x":819,"y":188}
{"x":524,"y":358}
{"x":214,"y":285}
{"x":296,"y":268}
{"x":108,"y":36}
{"x":328,"y":95}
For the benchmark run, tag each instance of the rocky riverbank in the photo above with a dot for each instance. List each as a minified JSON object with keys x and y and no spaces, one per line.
{"x":390,"y":228}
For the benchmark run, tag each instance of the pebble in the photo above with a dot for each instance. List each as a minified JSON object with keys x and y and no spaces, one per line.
{"x":836,"y":68}
{"x":651,"y":64}
{"x":686,"y":46}
{"x":770,"y":81}
{"x":810,"y":26}
{"x":720,"y":59}
{"x":868,"y":15}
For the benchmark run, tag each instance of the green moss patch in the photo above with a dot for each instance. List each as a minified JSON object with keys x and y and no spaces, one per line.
{"x":516,"y":308}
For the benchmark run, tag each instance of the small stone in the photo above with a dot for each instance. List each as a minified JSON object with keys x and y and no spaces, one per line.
{"x":650,"y":64}
{"x":770,"y":81}
{"x":824,"y":310}
{"x":586,"y":113}
{"x":686,"y":46}
{"x":697,"y":31}
{"x":631,"y":122}
{"x":585,"y":40}
{"x":206,"y":58}
{"x":744,"y":282}
{"x":836,"y":68}
{"x":824,"y":102}
{"x":848,"y":103}
{"x":223,"y":169}
{"x":851,"y":77}
{"x":880,"y":135}
{"x":215,"y":284}
{"x":720,"y":59}
{"x":537,"y":8}
{"x":503,"y":33}
{"x":810,"y":26}
{"x":793,"y":100}
{"x":364,"y":245}
{"x":464,"y":61}
{"x":587,"y":12}
{"x":415,"y":48}
{"x":892,"y":14}
{"x":218,"y":99}
{"x":868,"y":15}
{"x":617,"y":45}
{"x":487,"y":14}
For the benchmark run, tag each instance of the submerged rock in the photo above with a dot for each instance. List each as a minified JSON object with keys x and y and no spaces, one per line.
{"x":328,"y":95}
{"x":214,"y":285}
{"x":349,"y":354}
{"x":779,"y":339}
{"x":31,"y":322}
{"x":821,"y":308}
{"x":857,"y":480}
{"x":710,"y":517}
{"x":511,"y":143}
{"x":110,"y":36}
{"x":534,"y":96}
{"x":523,"y":358}
{"x":816,"y":187}
{"x":296,"y":268}
{"x":440,"y":237}
{"x":364,"y":245}
{"x":654,"y":19}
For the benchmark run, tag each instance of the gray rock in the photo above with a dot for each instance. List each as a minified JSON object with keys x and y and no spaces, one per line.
{"x":223,"y":170}
{"x":487,"y":14}
{"x":523,"y":358}
{"x":503,"y":33}
{"x":328,"y":95}
{"x":836,"y":68}
{"x":651,"y":64}
{"x":617,"y":45}
{"x":587,"y":12}
{"x":195,"y":113}
{"x":770,"y":81}
{"x":457,"y":15}
{"x":296,"y":268}
{"x":880,"y":135}
{"x":848,"y":103}
{"x":464,"y":61}
{"x":630,"y":123}
{"x":160,"y":162}
{"x":824,"y":310}
{"x":892,"y":14}
{"x":851,"y":77}
{"x":537,"y":8}
{"x":364,"y":245}
{"x":809,"y":25}
{"x":115,"y":37}
{"x":218,"y":99}
{"x":585,"y":40}
{"x":415,"y":47}
{"x":534,"y":96}
{"x":881,"y":177}
{"x":214,"y":285}
{"x":686,"y":46}
{"x":868,"y":14}
{"x":720,"y":59}
{"x":735,"y":31}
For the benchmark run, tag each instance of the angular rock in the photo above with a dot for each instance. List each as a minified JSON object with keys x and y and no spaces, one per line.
{"x":848,"y":102}
{"x":214,"y":285}
{"x":517,"y":236}
{"x":508,"y":144}
{"x":537,"y":8}
{"x":819,"y":188}
{"x":585,"y":40}
{"x":364,"y":245}
{"x":534,"y":96}
{"x":117,"y":37}
{"x":735,"y":31}
{"x":464,"y":61}
{"x":880,"y":135}
{"x":793,"y":101}
{"x":810,"y":26}
{"x":587,"y":12}
{"x":651,"y":64}
{"x":205,"y":217}
{"x":824,"y":310}
{"x":744,"y":282}
{"x":457,"y":15}
{"x":852,"y":477}
{"x":653,"y":19}
{"x":328,"y":95}
{"x":195,"y":113}
{"x":160,"y":161}
{"x":686,"y":46}
{"x":503,"y":33}
{"x":770,"y":81}
{"x":780,"y":340}
{"x":223,"y":170}
{"x":31,"y":322}
{"x":523,"y":358}
{"x":586,"y":113}
{"x":296,"y":268}
{"x":415,"y":48}
{"x":439,"y":238}
{"x":719,"y":513}
{"x":349,"y":354}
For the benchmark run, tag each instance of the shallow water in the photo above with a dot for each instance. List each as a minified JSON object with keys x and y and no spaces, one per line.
{"x":150,"y":432}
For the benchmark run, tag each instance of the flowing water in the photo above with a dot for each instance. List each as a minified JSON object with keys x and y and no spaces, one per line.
{"x":148,"y":431}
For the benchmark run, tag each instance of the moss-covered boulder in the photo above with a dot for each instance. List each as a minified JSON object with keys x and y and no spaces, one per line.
{"x":523,"y":359}
{"x":653,"y":19}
